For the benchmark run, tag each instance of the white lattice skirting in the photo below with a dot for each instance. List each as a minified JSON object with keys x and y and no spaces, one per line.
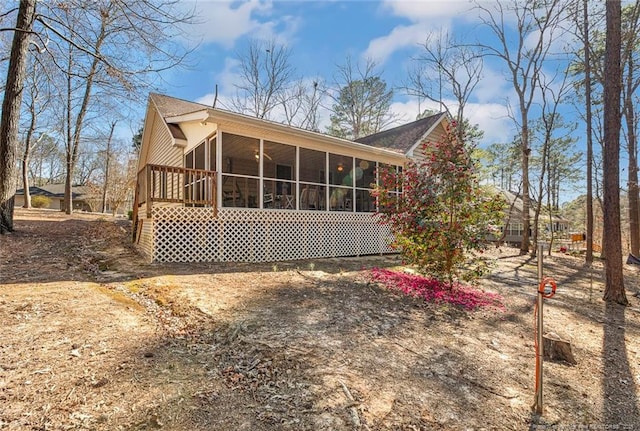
{"x":242,"y":235}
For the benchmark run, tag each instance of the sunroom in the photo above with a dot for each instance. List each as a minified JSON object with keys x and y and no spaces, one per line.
{"x":219,"y":186}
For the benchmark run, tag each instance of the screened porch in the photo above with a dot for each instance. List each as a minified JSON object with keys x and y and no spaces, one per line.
{"x":263,"y":174}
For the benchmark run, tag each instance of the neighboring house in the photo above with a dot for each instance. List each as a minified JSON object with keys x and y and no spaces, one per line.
{"x":214,"y":185}
{"x":547,"y":224}
{"x":80,"y":196}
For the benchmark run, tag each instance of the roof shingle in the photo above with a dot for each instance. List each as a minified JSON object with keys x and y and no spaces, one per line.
{"x":401,"y":138}
{"x":170,"y":106}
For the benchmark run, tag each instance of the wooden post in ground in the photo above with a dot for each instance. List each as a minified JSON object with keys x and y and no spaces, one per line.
{"x":537,"y":405}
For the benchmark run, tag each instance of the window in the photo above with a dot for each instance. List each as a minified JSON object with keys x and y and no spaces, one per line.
{"x":201,"y":157}
{"x":279,"y":160}
{"x":238,"y":155}
{"x":365,"y":176}
{"x":279,"y":163}
{"x":312,"y":166}
{"x":313,"y":179}
{"x":384,"y":169}
{"x":341,"y":175}
{"x":262,"y":173}
{"x":515,"y":229}
{"x":365,"y":173}
{"x":240,"y":171}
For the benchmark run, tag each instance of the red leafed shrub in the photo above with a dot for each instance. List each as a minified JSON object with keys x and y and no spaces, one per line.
{"x":433,"y":290}
{"x":441,"y":216}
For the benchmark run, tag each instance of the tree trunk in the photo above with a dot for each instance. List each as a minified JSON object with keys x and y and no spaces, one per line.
{"x":634,"y":197}
{"x":545,"y":170}
{"x":25,"y":180}
{"x":106,"y":168}
{"x":632,"y":178}
{"x":526,"y":217}
{"x":26,"y":154}
{"x":11,"y":104}
{"x":68,"y":195}
{"x":73,"y":139}
{"x":587,"y":84}
{"x":614,"y":277}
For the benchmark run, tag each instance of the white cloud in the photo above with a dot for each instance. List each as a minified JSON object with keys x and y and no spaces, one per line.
{"x":493,"y":120}
{"x":407,"y":111}
{"x":493,"y":86}
{"x":426,"y":16}
{"x":224,"y":22}
{"x":491,"y":117}
{"x":381,"y":48}
{"x":229,"y":77}
{"x":428,"y":9}
{"x":226,"y":82}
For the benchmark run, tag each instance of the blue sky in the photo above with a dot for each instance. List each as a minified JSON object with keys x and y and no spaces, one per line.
{"x":321,"y":34}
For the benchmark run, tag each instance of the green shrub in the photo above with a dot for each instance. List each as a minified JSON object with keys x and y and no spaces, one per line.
{"x":40,"y":201}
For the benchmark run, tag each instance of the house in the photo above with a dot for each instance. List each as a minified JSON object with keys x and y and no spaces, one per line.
{"x":81,"y":196}
{"x":214,"y":185}
{"x":547,"y":223}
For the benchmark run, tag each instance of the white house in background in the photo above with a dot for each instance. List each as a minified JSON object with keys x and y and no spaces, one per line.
{"x":214,"y":185}
{"x":547,"y":223}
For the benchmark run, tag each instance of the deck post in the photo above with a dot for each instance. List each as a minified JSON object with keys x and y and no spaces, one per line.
{"x":149,"y":199}
{"x":213,"y":186}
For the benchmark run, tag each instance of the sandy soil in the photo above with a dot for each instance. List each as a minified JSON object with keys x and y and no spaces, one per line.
{"x":93,"y":338}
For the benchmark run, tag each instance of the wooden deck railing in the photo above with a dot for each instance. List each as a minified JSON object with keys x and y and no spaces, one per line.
{"x":189,"y":187}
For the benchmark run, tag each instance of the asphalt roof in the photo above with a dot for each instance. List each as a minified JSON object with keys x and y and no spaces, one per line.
{"x":399,"y":139}
{"x":403,"y":137}
{"x":170,"y":106}
{"x":54,"y":190}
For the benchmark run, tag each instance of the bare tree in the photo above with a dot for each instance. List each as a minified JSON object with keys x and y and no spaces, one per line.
{"x":121,"y":183}
{"x":108,"y":156}
{"x":585,"y":17}
{"x":36,"y":104}
{"x":587,"y":78}
{"x":590,"y":63}
{"x":45,"y":161}
{"x":300,"y":103}
{"x":361,"y":101}
{"x":614,"y":278}
{"x":9,"y":122}
{"x":553,"y":91}
{"x":123,"y":42}
{"x":631,"y":78}
{"x":89,"y":167}
{"x":446,"y":68}
{"x":266,"y":74}
{"x":536,"y":27}
{"x":78,"y":92}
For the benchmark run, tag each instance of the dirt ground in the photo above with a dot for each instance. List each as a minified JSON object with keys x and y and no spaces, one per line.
{"x":93,"y":338}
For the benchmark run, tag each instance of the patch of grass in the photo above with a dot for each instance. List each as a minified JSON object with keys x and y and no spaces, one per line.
{"x":120,"y":298}
{"x":133,"y":286}
{"x":164,"y":296}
